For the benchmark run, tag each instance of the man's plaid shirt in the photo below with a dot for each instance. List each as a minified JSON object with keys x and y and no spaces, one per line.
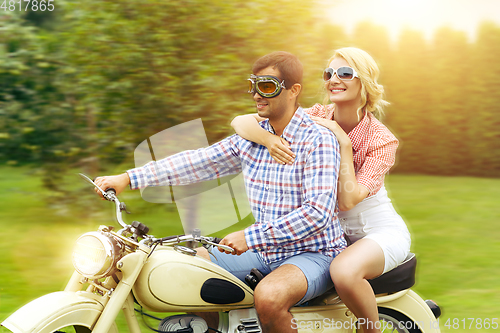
{"x":294,"y":205}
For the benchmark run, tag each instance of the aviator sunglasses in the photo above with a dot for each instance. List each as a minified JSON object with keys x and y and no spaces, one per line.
{"x":344,"y":73}
{"x":267,"y":86}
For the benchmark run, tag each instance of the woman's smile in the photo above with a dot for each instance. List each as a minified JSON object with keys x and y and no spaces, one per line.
{"x":337,"y":90}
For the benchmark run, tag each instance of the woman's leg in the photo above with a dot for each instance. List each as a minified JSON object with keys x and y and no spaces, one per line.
{"x":350,"y":271}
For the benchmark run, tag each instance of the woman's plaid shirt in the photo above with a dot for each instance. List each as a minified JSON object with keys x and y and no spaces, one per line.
{"x":373,"y":147}
{"x":293,"y":205}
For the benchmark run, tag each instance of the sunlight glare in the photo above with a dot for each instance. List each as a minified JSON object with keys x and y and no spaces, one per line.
{"x":422,"y":15}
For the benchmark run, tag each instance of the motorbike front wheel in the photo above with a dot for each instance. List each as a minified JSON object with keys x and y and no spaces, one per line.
{"x":74,"y":329}
{"x":82,"y":329}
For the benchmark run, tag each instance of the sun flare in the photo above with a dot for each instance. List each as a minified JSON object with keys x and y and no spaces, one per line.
{"x":422,"y":15}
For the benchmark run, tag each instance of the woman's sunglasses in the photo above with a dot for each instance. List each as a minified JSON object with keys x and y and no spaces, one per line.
{"x":343,"y":73}
{"x":267,"y":86}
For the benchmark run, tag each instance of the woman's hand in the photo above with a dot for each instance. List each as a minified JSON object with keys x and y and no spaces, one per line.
{"x":247,"y":126}
{"x":333,"y":126}
{"x":279,"y":149}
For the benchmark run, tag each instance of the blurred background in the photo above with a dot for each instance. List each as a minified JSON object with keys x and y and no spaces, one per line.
{"x":82,"y":85}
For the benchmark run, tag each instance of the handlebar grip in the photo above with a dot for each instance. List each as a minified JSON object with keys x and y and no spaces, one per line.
{"x":226,"y":248}
{"x":110,"y":190}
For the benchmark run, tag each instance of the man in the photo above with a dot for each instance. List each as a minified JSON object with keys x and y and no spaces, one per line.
{"x":296,"y":234}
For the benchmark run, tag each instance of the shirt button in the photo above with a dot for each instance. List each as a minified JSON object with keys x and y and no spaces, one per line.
{"x":267,"y":188}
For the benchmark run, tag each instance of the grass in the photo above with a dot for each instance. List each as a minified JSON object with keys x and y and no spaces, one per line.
{"x":454,"y":223}
{"x":455,"y":230}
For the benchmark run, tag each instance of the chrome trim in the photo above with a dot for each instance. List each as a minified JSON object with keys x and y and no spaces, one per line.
{"x":185,"y":250}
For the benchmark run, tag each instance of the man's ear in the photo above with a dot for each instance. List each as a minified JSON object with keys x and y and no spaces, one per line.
{"x":295,"y":89}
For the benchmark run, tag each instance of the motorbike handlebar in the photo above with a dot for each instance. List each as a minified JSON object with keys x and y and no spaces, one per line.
{"x":217,"y":240}
{"x":214,"y":241}
{"x":110,"y":194}
{"x":112,"y":197}
{"x":110,"y":191}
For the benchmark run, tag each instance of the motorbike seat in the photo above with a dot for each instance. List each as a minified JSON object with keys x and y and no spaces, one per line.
{"x":400,"y":278}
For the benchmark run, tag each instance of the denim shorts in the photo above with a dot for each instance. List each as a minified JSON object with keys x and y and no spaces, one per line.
{"x":314,"y":265}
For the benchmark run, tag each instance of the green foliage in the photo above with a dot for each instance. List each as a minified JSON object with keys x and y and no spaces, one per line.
{"x":115,"y":72}
{"x":34,"y":113}
{"x":444,"y":108}
{"x":84,"y":85}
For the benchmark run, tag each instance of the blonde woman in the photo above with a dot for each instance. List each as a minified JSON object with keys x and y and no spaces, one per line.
{"x":378,"y":236}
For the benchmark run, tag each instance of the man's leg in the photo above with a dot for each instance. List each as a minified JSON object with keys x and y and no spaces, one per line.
{"x":296,"y":280}
{"x":276,"y":294}
{"x":240,"y":266}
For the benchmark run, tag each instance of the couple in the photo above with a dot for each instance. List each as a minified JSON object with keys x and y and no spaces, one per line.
{"x":300,"y":168}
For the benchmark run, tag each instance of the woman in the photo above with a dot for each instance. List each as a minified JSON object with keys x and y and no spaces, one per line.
{"x":378,"y":236}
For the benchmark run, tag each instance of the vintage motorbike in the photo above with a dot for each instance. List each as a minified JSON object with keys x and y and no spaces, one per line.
{"x":133,"y":271}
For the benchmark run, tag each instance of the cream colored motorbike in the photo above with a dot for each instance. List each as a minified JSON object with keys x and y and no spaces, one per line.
{"x":131,"y":271}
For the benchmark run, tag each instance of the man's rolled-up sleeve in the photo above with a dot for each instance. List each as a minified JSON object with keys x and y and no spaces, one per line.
{"x":191,"y":166}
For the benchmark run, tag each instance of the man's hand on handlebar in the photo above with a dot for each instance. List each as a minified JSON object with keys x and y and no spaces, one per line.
{"x":118,"y":183}
{"x":237,"y":241}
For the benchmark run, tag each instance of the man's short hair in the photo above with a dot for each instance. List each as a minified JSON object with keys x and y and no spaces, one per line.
{"x":287,"y":64}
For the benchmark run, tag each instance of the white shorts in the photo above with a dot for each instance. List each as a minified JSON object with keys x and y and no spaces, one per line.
{"x":375,"y":218}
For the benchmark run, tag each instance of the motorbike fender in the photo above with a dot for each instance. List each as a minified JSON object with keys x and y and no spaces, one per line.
{"x":54,"y":311}
{"x":414,"y":307}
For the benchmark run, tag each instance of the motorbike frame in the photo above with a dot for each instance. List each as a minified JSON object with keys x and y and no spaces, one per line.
{"x":97,"y":312}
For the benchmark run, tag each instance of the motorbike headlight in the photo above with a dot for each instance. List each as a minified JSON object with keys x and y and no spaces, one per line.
{"x":95,"y":255}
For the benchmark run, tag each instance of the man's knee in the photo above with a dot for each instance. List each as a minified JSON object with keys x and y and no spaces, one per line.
{"x":268,"y":299}
{"x":280,"y":290}
{"x":269,"y":304}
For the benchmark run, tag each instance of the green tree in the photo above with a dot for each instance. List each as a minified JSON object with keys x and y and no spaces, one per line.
{"x":409,"y":94}
{"x":483,"y":117}
{"x":84,"y":89}
{"x":449,"y":103}
{"x":374,"y":39}
{"x":34,"y":113}
{"x":143,"y":66}
{"x":116,"y":72}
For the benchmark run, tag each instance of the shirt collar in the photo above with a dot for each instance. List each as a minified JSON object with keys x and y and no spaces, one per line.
{"x":292,"y":127}
{"x":356,"y":135}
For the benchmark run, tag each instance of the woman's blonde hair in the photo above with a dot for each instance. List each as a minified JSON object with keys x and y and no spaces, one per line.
{"x":372,"y":92}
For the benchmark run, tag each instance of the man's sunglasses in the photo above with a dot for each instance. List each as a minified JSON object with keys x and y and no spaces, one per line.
{"x":343,"y":73}
{"x":267,"y":86}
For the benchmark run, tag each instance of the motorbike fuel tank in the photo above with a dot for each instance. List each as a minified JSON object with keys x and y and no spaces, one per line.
{"x":174,"y":281}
